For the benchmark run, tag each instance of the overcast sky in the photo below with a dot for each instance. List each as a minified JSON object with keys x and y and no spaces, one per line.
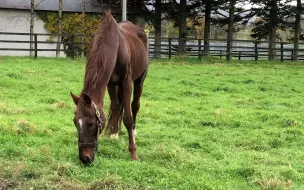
{"x":248,"y":6}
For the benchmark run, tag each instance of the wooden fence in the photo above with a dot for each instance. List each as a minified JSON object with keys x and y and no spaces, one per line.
{"x":168,"y":48}
{"x":69,"y":47}
{"x":241,"y":49}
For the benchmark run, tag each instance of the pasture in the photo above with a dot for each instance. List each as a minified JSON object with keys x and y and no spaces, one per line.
{"x":201,"y":125}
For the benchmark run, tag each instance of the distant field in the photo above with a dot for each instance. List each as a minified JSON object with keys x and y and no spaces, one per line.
{"x":202,"y":125}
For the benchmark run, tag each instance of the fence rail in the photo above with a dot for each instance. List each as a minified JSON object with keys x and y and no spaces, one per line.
{"x":241,"y":49}
{"x":166,"y":48}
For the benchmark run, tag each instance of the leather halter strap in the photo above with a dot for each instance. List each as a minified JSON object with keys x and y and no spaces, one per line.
{"x":100,"y":124}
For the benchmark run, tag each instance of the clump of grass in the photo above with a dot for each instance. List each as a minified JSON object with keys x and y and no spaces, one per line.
{"x":110,"y":182}
{"x":25,"y":127}
{"x":62,"y":105}
{"x":290,"y":123}
{"x":274,"y":183}
{"x":175,"y":154}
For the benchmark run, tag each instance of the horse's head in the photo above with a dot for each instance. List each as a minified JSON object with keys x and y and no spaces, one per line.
{"x":89,"y":123}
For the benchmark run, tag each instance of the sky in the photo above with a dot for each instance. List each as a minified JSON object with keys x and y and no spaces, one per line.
{"x":248,"y":6}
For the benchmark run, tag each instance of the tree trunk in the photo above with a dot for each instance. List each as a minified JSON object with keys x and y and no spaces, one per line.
{"x":273,"y":29}
{"x":157,"y":42}
{"x":182,"y":26}
{"x":32,"y":27}
{"x":207,"y":27}
{"x":297,"y":31}
{"x":230,"y":30}
{"x":83,"y":27}
{"x":59,"y":29}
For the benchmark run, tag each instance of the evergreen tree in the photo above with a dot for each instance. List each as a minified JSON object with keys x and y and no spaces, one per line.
{"x":232,"y":14}
{"x":274,"y":15}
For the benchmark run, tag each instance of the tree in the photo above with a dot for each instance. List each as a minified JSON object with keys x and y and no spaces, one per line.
{"x":230,"y":29}
{"x":182,"y":26}
{"x":261,"y":25}
{"x":235,"y":17}
{"x":178,"y":12}
{"x":157,"y":26}
{"x":273,"y":29}
{"x":297,"y":30}
{"x":32,"y":21}
{"x":83,"y":24}
{"x":72,"y":24}
{"x":32,"y":26}
{"x":59,"y":29}
{"x":273,"y":15}
{"x":208,"y":7}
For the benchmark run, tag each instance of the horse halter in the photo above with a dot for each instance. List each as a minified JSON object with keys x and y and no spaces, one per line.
{"x":100,"y":124}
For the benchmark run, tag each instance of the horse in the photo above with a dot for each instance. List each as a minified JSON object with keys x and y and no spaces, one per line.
{"x":117,"y":59}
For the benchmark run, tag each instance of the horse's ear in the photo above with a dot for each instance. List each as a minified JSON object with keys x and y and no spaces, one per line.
{"x":87,"y":99}
{"x":75,"y":98}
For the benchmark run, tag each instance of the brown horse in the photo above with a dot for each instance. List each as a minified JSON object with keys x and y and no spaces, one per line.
{"x":117,"y":57}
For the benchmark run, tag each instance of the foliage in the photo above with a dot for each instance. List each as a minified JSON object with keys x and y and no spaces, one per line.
{"x":170,"y":14}
{"x":284,"y":18}
{"x":200,"y":126}
{"x":241,"y":16}
{"x":195,"y":28}
{"x":72,"y":24}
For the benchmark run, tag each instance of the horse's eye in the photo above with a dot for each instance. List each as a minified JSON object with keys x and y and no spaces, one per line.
{"x":89,"y":124}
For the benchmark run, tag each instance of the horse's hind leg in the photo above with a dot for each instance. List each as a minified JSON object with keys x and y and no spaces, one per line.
{"x":113,"y":127}
{"x":137,"y":91}
{"x":127,"y":116}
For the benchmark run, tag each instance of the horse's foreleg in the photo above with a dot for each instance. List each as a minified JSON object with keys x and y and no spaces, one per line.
{"x":114,"y":113}
{"x":127,"y":116}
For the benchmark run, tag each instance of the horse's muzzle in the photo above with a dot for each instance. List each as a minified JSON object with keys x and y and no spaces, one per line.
{"x":87,"y":155}
{"x":86,"y":159}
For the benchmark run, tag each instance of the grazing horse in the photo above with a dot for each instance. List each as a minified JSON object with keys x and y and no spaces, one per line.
{"x":117,"y":57}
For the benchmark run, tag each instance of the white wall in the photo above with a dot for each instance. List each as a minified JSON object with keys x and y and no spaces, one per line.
{"x":19,"y":21}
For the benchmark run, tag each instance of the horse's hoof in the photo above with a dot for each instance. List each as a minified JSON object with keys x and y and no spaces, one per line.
{"x":135,"y":158}
{"x":114,"y":136}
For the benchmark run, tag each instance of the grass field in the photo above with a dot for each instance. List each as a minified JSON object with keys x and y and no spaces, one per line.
{"x":200,"y":126}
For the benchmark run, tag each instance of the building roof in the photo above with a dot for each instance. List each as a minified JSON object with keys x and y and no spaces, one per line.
{"x":91,"y":6}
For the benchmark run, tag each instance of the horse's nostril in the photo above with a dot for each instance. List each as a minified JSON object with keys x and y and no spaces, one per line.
{"x":85,"y":159}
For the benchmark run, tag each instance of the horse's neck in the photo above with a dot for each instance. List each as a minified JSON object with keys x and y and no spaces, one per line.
{"x":97,"y":95}
{"x":99,"y":64}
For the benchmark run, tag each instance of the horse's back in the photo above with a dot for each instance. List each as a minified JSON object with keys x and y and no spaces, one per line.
{"x":136,"y":40}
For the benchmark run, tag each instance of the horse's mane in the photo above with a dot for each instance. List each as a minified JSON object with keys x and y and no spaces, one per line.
{"x":96,"y":58}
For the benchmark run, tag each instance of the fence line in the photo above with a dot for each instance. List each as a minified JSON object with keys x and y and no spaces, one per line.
{"x":169,"y":47}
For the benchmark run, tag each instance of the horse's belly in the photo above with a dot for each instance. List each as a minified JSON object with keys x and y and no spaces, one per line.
{"x":138,"y":68}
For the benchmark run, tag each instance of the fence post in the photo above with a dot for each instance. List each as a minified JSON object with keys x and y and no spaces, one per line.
{"x":282,"y":52}
{"x":36,"y":46}
{"x":256,"y":51}
{"x":170,"y":46}
{"x":240,"y":55}
{"x":221,"y":54}
{"x":292,"y":54}
{"x":199,"y":49}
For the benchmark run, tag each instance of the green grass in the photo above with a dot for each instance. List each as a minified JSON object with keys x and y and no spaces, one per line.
{"x":205,"y":125}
